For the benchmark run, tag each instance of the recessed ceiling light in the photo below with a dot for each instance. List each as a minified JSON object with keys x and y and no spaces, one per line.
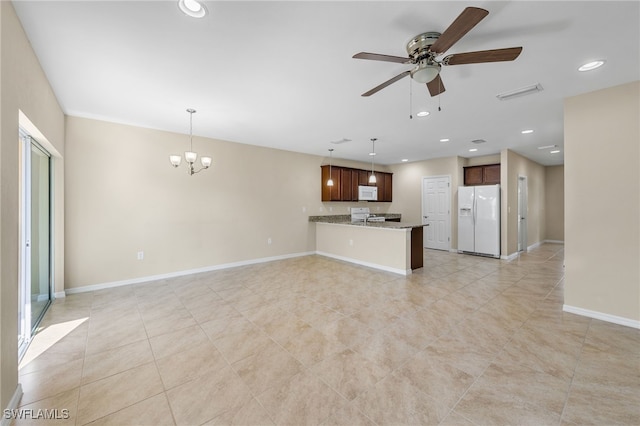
{"x":404,"y":160}
{"x":591,"y":65}
{"x":422,"y":113}
{"x":547,"y":146}
{"x":524,"y":132}
{"x":555,"y":151}
{"x":444,"y":140}
{"x":473,"y":149}
{"x":192,"y":8}
{"x":372,"y":154}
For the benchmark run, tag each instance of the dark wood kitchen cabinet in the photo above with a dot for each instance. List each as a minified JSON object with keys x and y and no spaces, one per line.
{"x":482,"y":175}
{"x":346,"y":187}
{"x":331,"y":193}
{"x":346,"y":181}
{"x":387,"y":194}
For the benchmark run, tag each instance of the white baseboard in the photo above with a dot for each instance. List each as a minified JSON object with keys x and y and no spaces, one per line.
{"x":59,"y":295}
{"x":510,"y":256}
{"x":367,"y":264}
{"x":553,"y":241}
{"x":13,"y":405}
{"x":602,"y":316}
{"x":113,"y":284}
{"x":535,"y":245}
{"x":42,"y":297}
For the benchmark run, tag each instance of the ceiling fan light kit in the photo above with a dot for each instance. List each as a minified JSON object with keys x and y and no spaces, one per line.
{"x":425,"y":48}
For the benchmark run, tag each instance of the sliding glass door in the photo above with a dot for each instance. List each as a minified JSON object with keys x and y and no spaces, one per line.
{"x":35,"y":254}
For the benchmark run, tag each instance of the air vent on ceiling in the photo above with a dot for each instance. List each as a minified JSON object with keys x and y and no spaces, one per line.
{"x":520,"y":92}
{"x":343,"y":140}
{"x":478,"y":141}
{"x":547,"y":146}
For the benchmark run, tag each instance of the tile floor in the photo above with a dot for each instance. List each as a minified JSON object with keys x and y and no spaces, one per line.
{"x":465,"y":340}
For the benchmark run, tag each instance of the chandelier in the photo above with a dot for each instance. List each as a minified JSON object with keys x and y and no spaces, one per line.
{"x":190,"y":156}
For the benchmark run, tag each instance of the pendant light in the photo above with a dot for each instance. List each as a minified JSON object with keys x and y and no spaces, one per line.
{"x":190,"y":156}
{"x":372,"y":177}
{"x":330,"y":181}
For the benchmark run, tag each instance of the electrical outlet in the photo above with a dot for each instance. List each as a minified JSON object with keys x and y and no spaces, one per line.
{"x":304,"y":209}
{"x":269,"y":240}
{"x":140,"y":255}
{"x":330,"y":209}
{"x":350,"y":242}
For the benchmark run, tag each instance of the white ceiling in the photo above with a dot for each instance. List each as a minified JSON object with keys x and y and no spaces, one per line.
{"x":281,"y":74}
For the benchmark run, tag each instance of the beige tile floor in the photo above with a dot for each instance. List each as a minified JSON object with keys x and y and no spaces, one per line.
{"x":465,"y":340}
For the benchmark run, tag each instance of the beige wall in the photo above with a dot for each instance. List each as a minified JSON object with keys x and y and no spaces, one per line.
{"x":483,"y":160}
{"x":23,"y":87}
{"x":407,"y":188}
{"x":602,"y":198}
{"x":513,"y":166}
{"x":123,"y":196}
{"x":387,"y":249}
{"x":554,"y":203}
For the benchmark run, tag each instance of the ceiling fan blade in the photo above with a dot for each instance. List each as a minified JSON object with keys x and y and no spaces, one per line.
{"x":469,"y":18}
{"x":495,"y":55}
{"x":435,"y":86}
{"x":380,"y":57}
{"x":386,"y":83}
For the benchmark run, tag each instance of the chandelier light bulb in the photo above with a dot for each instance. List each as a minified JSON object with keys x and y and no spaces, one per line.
{"x":206,"y":162}
{"x":190,"y":156}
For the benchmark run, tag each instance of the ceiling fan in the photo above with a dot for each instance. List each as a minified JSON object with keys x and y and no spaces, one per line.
{"x":424,"y":49}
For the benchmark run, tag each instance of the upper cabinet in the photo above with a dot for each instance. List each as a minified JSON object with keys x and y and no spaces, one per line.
{"x":482,"y":175}
{"x":346,"y":181}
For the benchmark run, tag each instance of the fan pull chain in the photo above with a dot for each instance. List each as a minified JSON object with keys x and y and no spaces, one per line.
{"x":410,"y":100}
{"x":439,"y":93}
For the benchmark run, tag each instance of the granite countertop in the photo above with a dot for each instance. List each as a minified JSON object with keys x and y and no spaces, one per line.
{"x":387,"y":225}
{"x":346,"y":218}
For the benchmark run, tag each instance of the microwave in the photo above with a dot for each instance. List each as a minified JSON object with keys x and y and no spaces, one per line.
{"x":367,"y":193}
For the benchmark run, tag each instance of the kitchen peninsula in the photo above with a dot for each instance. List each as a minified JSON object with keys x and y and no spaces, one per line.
{"x":391,"y":246}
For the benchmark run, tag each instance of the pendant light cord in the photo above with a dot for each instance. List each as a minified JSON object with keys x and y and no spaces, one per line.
{"x":410,"y":100}
{"x":191,"y":131}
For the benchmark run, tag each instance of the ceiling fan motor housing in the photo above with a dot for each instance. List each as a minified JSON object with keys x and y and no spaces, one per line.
{"x":418,"y":47}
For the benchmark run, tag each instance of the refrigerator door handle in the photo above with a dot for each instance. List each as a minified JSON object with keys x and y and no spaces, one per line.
{"x":475,"y":207}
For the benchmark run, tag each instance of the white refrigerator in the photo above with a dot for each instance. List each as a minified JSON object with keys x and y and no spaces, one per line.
{"x":479,"y":220}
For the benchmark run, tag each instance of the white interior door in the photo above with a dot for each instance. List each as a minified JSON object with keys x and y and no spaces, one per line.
{"x":436,"y":212}
{"x":522,"y":213}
